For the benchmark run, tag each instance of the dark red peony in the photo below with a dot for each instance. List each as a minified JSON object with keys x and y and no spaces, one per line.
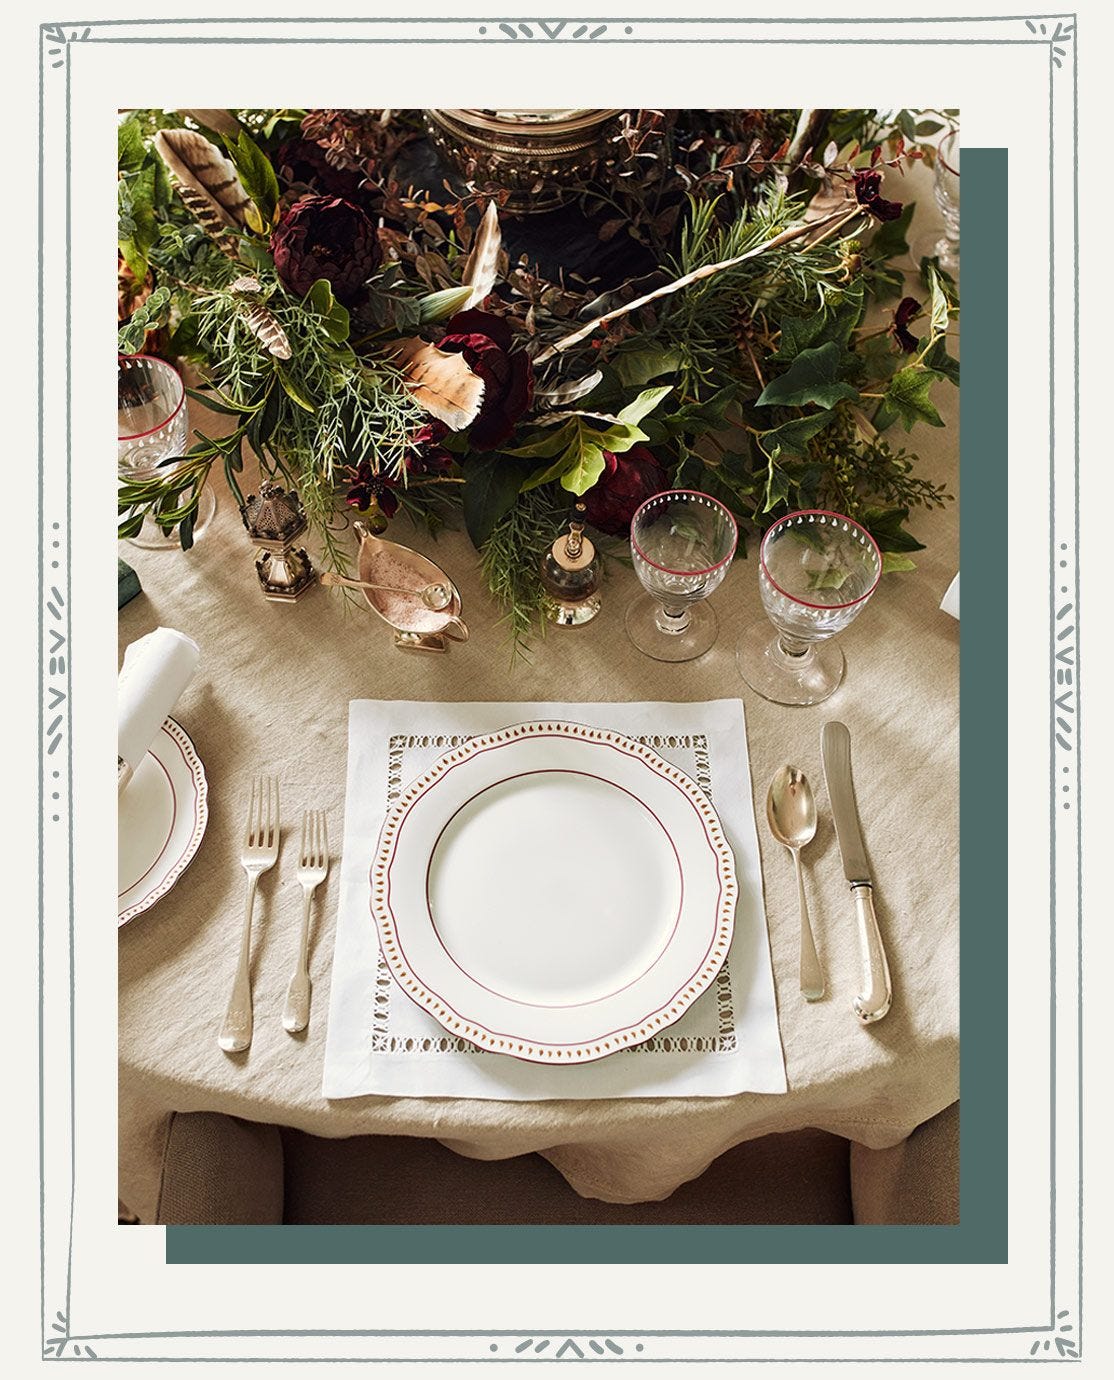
{"x":485,"y":342}
{"x":326,"y":237}
{"x":868,"y":186}
{"x":627,"y":482}
{"x":303,"y":161}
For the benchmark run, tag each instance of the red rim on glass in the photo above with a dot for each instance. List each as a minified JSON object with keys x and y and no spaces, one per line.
{"x":154,"y":359}
{"x":822,"y":513}
{"x":685,"y":493}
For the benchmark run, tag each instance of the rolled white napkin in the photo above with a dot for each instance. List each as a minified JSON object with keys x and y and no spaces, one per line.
{"x":950,"y":601}
{"x":156,"y":669}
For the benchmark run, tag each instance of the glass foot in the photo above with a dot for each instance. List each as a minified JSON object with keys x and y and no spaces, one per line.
{"x":947,"y":251}
{"x":151,"y":537}
{"x":807,"y":679}
{"x":693,"y":634}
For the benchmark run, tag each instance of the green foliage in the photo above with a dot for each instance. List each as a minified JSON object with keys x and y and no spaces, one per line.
{"x":813,"y":377}
{"x":153,"y":314}
{"x":258,"y":176}
{"x":906,"y":400}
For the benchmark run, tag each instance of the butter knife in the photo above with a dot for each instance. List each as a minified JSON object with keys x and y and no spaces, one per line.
{"x":835,"y":747}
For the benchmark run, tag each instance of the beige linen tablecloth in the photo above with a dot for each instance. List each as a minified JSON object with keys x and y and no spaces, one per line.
{"x":272,"y":693}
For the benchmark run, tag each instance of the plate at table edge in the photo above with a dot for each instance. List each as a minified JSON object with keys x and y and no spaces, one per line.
{"x":187,"y":766}
{"x":502,"y":1042}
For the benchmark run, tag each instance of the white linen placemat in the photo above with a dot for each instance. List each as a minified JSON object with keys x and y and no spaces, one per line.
{"x":380,"y":1042}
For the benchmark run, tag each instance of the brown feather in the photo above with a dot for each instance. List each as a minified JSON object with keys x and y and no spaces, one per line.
{"x":440,"y":381}
{"x":206,"y":182}
{"x":482,"y":268}
{"x":219,"y":121}
{"x":262,"y":323}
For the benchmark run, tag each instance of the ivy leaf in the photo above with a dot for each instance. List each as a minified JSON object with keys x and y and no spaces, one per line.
{"x":798,"y":333}
{"x":491,"y":487}
{"x":791,"y":436}
{"x":889,"y":238}
{"x":777,"y":486}
{"x":637,"y":367}
{"x":885,"y":525}
{"x":643,"y":405}
{"x":939,"y":361}
{"x":906,"y":400}
{"x":813,"y":377}
{"x":892,"y":561}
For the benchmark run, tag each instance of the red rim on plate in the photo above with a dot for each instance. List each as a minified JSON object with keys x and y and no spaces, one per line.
{"x":710,"y":920}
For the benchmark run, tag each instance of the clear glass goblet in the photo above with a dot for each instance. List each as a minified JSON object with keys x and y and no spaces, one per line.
{"x":682,"y":543}
{"x":946,"y":190}
{"x":152,"y":425}
{"x":816,"y":570}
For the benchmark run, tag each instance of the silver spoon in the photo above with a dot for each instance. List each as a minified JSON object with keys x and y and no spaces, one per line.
{"x":435,"y":596}
{"x":791,"y":812}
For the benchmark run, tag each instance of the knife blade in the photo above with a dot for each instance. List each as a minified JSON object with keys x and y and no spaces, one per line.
{"x":835,"y":749}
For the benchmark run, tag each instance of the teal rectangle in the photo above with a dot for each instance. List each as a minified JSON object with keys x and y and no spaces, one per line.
{"x":981,"y":1236}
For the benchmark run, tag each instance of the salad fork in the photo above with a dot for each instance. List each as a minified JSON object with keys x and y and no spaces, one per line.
{"x":260,"y":850}
{"x":313,"y":864}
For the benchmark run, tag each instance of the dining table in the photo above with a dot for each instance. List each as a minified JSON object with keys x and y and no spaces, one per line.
{"x":272,"y":695}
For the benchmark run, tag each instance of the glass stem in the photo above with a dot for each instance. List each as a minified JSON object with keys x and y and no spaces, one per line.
{"x":673,"y":620}
{"x":794,"y":649}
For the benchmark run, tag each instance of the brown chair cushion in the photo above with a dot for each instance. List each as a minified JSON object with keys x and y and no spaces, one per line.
{"x":220,"y":1171}
{"x":915,"y":1183}
{"x":801,"y":1177}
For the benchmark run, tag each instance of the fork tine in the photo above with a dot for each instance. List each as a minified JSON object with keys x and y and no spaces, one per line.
{"x":305,"y":834}
{"x":251,"y":812}
{"x":272,"y":813}
{"x":324,"y":852}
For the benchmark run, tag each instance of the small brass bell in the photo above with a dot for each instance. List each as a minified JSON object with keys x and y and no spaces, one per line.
{"x":570,"y":576}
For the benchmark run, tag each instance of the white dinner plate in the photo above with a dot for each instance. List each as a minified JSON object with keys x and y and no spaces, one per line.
{"x":553,"y":892}
{"x":162,"y":817}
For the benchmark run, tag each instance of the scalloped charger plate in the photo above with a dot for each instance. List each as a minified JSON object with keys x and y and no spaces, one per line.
{"x":162,"y":818}
{"x":553,"y":892}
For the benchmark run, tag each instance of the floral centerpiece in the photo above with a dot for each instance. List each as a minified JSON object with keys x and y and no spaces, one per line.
{"x":379,"y":345}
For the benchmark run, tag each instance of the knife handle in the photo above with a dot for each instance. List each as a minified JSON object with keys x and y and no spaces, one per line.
{"x":874,"y":1001}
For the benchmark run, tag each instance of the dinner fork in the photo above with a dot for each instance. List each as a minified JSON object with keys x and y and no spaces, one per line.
{"x":313,"y":864}
{"x":261,"y":843}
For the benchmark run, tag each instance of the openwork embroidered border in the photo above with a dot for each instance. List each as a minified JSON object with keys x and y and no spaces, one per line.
{"x":384,"y":1042}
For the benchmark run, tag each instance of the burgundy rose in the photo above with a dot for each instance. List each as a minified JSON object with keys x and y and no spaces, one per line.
{"x":426,"y":454}
{"x":303,"y":161}
{"x":906,"y":310}
{"x":868,"y":186}
{"x":325,"y":237}
{"x":627,"y":482}
{"x":371,"y":491}
{"x":485,"y":342}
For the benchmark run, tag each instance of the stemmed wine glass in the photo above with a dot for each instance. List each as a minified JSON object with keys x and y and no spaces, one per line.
{"x":152,"y":426}
{"x":946,"y":190}
{"x":816,"y":570}
{"x":682,"y":542}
